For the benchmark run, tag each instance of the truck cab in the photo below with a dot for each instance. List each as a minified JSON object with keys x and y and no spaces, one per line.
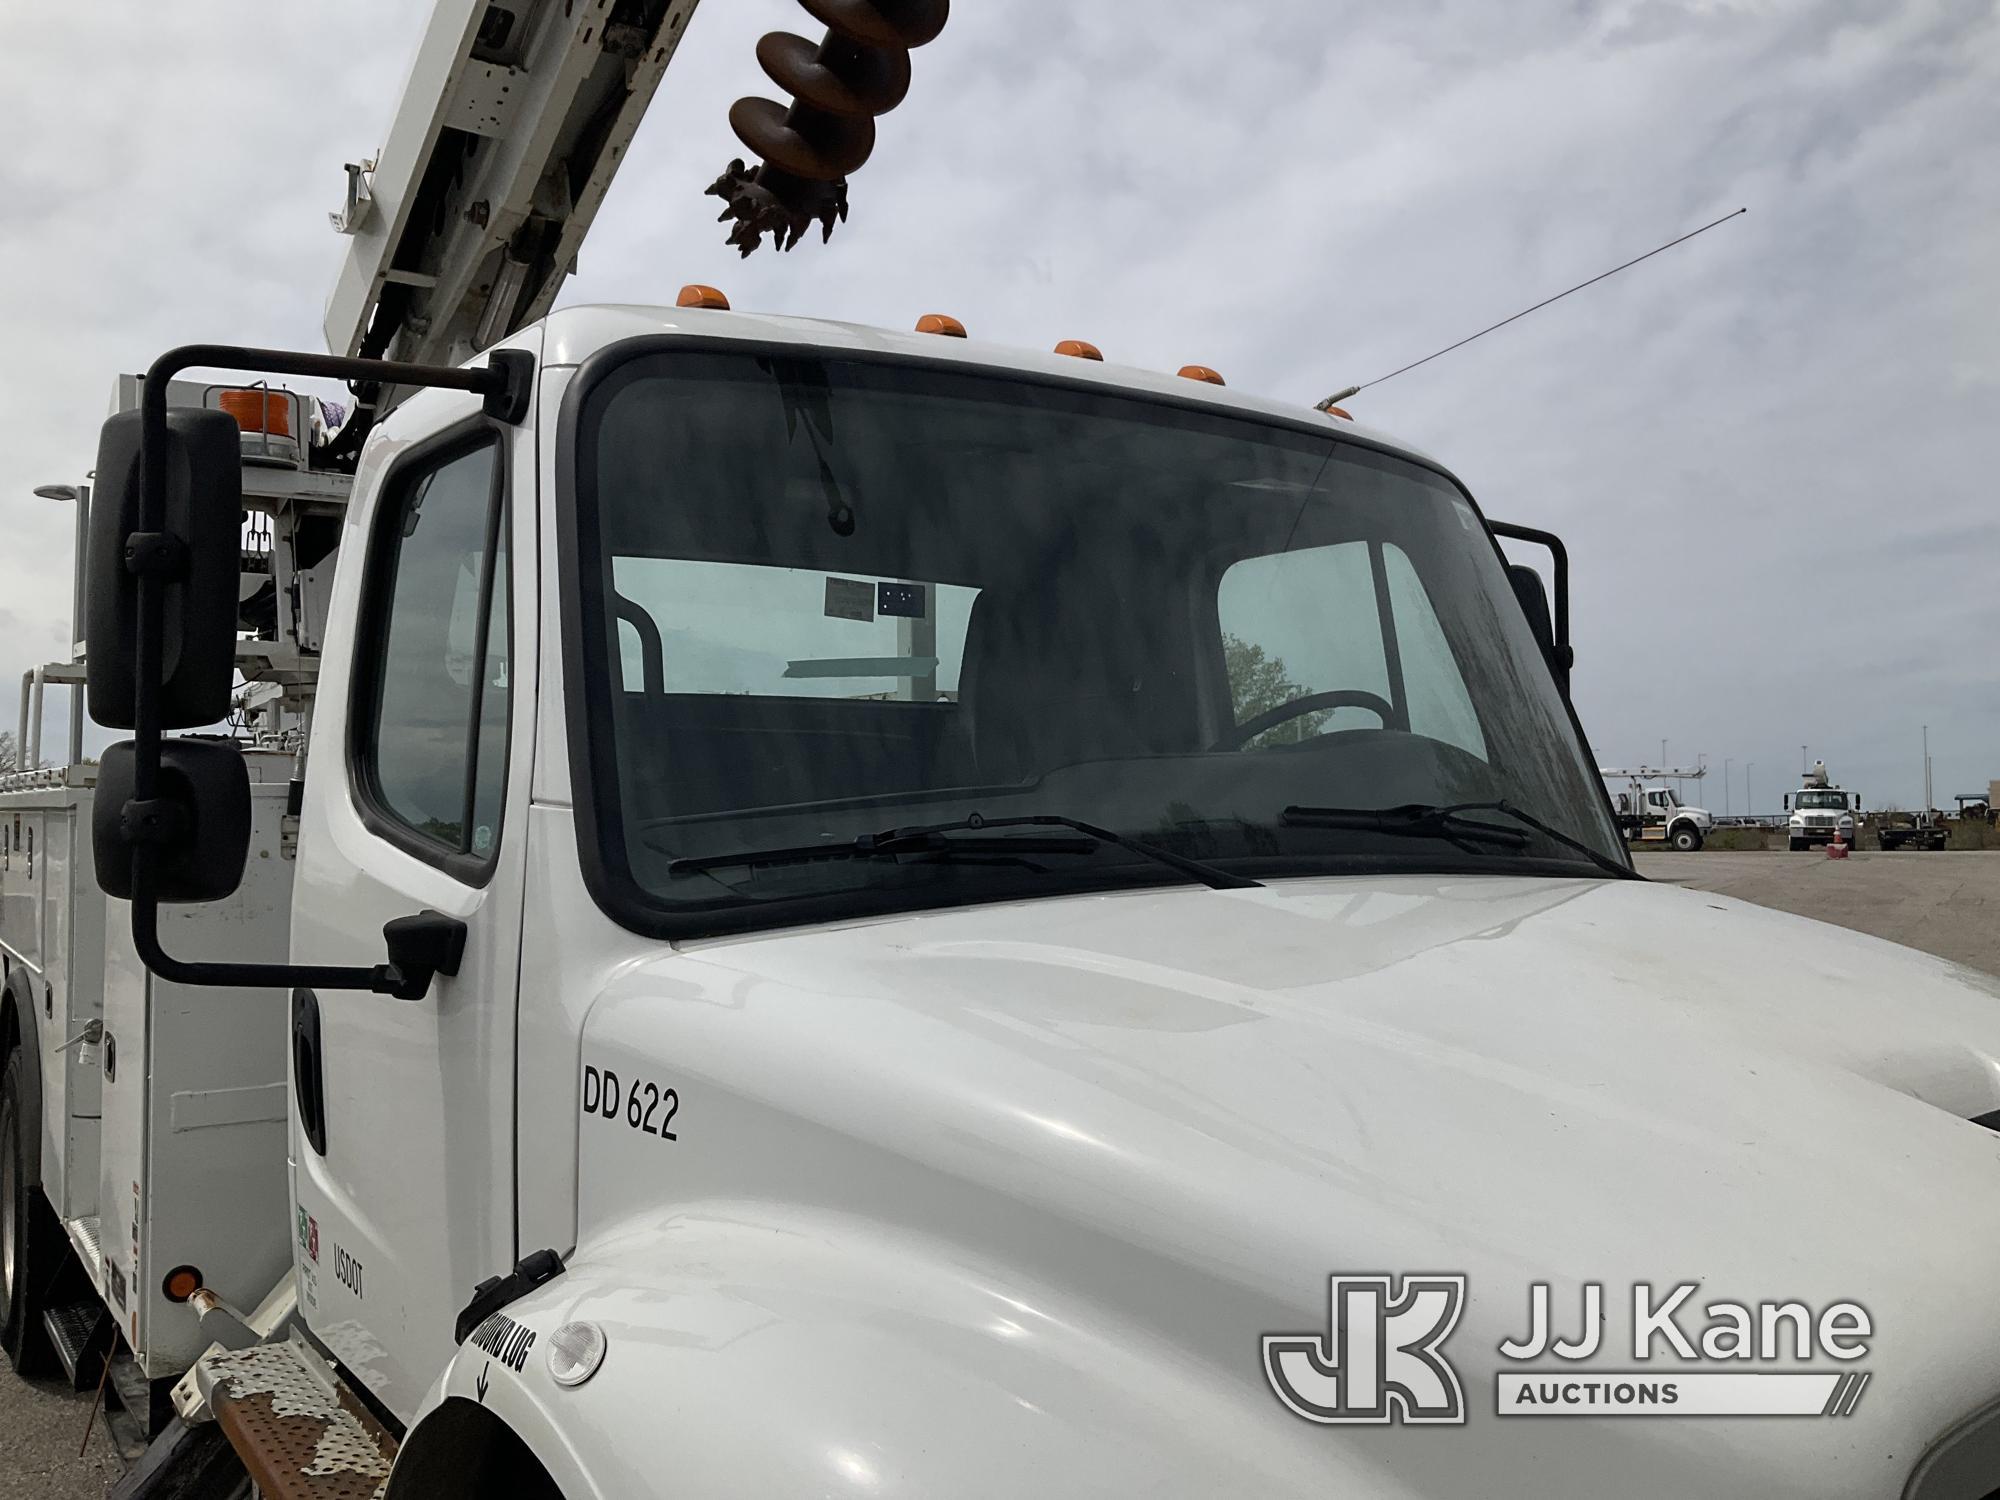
{"x":928,"y":896}
{"x":1822,"y":814}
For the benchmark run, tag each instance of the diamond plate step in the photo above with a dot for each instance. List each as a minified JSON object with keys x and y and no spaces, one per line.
{"x":83,"y":1234}
{"x":81,"y":1333}
{"x":299,"y":1430}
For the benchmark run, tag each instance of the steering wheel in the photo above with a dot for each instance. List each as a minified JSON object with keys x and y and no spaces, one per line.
{"x":1311,"y":703}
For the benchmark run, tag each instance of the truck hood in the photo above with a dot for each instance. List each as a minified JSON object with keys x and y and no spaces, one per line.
{"x":1191,"y":1107}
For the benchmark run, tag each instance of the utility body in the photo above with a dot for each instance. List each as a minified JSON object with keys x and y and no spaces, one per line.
{"x":810,"y":909}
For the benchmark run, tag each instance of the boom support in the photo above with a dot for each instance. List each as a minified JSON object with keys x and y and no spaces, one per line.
{"x":515,"y":118}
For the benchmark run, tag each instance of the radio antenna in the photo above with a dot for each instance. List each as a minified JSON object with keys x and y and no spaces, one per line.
{"x":1354,"y":390}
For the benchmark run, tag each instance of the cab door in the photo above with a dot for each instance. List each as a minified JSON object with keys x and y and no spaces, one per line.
{"x":415,"y":800}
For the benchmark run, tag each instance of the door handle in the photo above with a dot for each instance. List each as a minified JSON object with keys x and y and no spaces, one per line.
{"x":308,"y":1077}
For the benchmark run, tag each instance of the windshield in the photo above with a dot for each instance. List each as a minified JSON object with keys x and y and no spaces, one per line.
{"x":823,"y":599}
{"x":1823,"y":799}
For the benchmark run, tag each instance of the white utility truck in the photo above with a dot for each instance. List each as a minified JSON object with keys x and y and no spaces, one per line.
{"x":1822,"y":812}
{"x":1651,"y":812}
{"x":752,"y":938}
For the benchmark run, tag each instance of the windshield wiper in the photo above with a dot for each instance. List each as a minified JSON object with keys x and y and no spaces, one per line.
{"x":936,"y":839}
{"x":1450,"y":823}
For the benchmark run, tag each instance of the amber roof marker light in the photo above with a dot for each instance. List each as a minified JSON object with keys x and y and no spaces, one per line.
{"x":694,"y":294}
{"x":860,"y":70}
{"x":1202,"y":372}
{"x":941,"y":323}
{"x":1079,"y":349}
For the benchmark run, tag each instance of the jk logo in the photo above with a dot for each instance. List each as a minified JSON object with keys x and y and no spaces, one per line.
{"x":1379,"y":1360}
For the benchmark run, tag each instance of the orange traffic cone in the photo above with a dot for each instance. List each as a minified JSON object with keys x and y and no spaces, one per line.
{"x":1836,"y":849}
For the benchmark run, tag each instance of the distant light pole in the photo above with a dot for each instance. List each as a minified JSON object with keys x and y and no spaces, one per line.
{"x":79,"y":496}
{"x":1748,"y":803}
{"x":1802,"y":760}
{"x":1927,"y":768}
{"x":1663,"y":755}
{"x":1727,"y":762}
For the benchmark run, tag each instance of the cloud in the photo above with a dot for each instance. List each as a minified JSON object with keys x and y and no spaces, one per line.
{"x":1771,"y":449}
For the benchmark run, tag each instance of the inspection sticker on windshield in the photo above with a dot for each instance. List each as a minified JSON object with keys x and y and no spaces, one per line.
{"x":849,"y":599}
{"x":1381,"y":1356}
{"x":903,"y":600}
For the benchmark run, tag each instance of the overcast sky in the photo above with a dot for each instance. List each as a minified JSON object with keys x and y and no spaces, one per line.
{"x":1773,"y":450}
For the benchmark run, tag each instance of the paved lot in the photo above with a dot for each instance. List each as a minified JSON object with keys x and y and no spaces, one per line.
{"x":42,"y":1424}
{"x":1946,"y":903}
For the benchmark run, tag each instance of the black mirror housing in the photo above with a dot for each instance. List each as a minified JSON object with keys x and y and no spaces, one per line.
{"x":1534,"y":600}
{"x":421,"y":948}
{"x":197,"y":823}
{"x":1551,"y":634}
{"x":199,"y":551}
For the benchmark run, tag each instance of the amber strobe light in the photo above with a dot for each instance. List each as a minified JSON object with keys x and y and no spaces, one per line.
{"x":860,"y":70}
{"x":258,"y":410}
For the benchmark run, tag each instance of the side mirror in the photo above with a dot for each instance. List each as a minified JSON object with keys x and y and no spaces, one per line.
{"x":197,"y":823}
{"x":194,"y":556}
{"x":1552,"y":634}
{"x":1534,"y":601}
{"x":421,"y":948}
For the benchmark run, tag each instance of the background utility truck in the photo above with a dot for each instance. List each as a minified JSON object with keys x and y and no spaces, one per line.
{"x":1821,"y":811}
{"x":748,"y":943}
{"x":1651,"y":812}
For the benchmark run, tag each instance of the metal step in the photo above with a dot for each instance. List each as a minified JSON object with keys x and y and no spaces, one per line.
{"x":82,"y":1334}
{"x":83,"y":1234}
{"x":299,"y":1430}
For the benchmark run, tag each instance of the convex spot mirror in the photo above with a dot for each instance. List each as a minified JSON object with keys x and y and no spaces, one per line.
{"x":1534,"y":599}
{"x":197,"y":823}
{"x":199,"y":548}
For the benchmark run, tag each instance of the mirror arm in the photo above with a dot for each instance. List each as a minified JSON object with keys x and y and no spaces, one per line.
{"x":382,"y":978}
{"x":154,"y":555}
{"x":1560,"y":554}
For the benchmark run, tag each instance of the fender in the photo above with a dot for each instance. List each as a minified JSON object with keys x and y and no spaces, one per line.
{"x":769,"y":1349}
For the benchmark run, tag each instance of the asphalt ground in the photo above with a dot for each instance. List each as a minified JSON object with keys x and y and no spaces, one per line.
{"x":42,"y":1426}
{"x":1944,"y":903}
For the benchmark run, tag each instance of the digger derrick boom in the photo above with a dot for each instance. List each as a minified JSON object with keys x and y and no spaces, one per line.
{"x":516,"y":116}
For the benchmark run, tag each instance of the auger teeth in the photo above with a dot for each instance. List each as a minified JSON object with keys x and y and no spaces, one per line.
{"x":860,"y":70}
